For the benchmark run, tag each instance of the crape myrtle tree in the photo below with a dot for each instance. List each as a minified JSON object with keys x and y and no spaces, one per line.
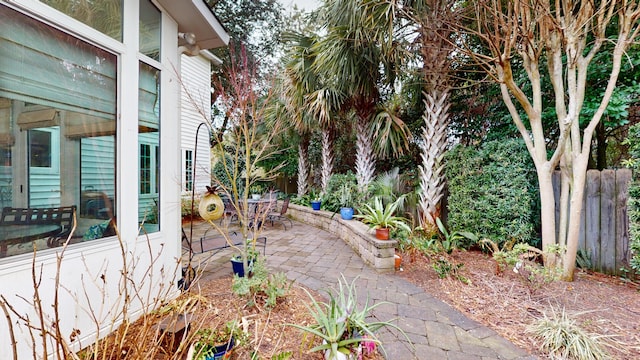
{"x":553,"y":41}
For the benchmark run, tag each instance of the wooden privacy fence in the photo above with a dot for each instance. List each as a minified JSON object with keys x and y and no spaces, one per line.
{"x":604,"y":224}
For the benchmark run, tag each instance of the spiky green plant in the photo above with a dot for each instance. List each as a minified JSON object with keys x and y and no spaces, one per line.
{"x":563,"y":338}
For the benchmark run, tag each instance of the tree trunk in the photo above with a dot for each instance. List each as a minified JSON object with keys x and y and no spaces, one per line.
{"x":547,"y":212}
{"x":327,"y":158}
{"x":303,"y":166}
{"x":575,"y":215}
{"x":365,"y":162}
{"x":434,"y":138}
{"x":601,"y":146}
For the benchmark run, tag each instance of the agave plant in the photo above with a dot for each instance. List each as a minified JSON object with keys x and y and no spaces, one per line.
{"x":343,"y":326}
{"x":379,"y":216}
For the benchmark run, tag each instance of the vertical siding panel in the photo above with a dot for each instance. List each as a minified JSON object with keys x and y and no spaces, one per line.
{"x":607,"y":220}
{"x":592,"y":214}
{"x":623,"y":178}
{"x":195,"y":109}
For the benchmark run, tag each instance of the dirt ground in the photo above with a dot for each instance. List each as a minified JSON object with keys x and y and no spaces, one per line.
{"x":602,"y":305}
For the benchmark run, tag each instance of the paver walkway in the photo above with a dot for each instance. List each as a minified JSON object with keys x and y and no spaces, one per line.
{"x":316,"y":259}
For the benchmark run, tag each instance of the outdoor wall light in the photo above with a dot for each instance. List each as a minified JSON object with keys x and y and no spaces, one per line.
{"x":189,"y":38}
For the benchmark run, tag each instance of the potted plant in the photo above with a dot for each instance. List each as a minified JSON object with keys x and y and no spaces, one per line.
{"x":237,"y":263}
{"x":345,"y":330}
{"x":316,"y":201}
{"x":256,"y":191}
{"x":346,"y":209}
{"x":382,"y":218}
{"x":215,"y":344}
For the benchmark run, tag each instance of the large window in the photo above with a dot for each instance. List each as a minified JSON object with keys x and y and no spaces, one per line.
{"x":57,"y":135}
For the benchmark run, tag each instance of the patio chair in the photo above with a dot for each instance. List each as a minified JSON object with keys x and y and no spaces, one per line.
{"x":230,"y":212}
{"x":281,"y":215}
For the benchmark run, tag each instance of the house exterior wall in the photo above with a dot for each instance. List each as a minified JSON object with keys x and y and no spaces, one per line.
{"x":87,"y":284}
{"x":195,"y":105}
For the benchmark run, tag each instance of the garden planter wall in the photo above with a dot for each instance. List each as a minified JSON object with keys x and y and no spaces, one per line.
{"x":377,"y":253}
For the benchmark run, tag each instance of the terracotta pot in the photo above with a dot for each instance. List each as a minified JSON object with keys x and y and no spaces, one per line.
{"x":398,"y":261}
{"x":382,"y":233}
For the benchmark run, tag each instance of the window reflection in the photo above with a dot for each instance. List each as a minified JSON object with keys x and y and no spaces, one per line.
{"x":149,"y":143}
{"x":150,"y":18}
{"x":104,"y":15}
{"x":57,"y":136}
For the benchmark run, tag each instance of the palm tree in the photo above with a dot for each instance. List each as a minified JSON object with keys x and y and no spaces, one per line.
{"x":431,"y":23}
{"x":350,"y":57}
{"x":311,"y":104}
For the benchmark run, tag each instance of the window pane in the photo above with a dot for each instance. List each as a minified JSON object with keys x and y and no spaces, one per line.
{"x":57,"y":136}
{"x":40,"y":148}
{"x":104,"y":15}
{"x":150,"y":18}
{"x":149,"y":140}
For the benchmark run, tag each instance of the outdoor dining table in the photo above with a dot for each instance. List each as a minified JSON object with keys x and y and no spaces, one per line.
{"x":16,"y":234}
{"x":259,"y":209}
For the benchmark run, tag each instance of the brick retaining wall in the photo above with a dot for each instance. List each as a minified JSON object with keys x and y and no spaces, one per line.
{"x":377,"y":253}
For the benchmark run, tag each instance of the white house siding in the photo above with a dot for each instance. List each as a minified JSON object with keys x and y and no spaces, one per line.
{"x":96,"y":164}
{"x":195,"y":105}
{"x":90,"y":273}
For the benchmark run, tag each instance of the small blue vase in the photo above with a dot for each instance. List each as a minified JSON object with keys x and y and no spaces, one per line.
{"x":346,"y":213}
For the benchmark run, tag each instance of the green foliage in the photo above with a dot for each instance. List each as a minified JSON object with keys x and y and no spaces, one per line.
{"x":208,"y":339}
{"x":633,"y":141}
{"x":282,"y":356}
{"x":448,"y":268}
{"x":390,"y":187}
{"x":379,"y":216}
{"x":335,"y":197}
{"x":261,"y":287}
{"x":219,"y":173}
{"x":185,"y":206}
{"x":493,"y":191}
{"x":453,"y":240}
{"x":340,"y":323}
{"x":562,"y":338}
{"x":506,"y":255}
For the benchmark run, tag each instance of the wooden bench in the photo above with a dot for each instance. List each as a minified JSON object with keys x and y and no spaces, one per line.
{"x":61,"y":216}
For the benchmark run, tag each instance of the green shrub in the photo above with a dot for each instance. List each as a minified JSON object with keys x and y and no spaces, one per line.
{"x":331,"y":200}
{"x":261,"y":287}
{"x":493,"y":191}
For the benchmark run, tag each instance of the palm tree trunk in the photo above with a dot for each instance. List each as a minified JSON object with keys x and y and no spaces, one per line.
{"x":303,"y":167}
{"x":327,"y":158}
{"x":365,"y":162}
{"x":434,"y":145}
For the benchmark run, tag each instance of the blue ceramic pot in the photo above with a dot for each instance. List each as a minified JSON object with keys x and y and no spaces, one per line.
{"x":315,"y":205}
{"x":238,"y":266}
{"x":346,"y":213}
{"x":222,"y":351}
